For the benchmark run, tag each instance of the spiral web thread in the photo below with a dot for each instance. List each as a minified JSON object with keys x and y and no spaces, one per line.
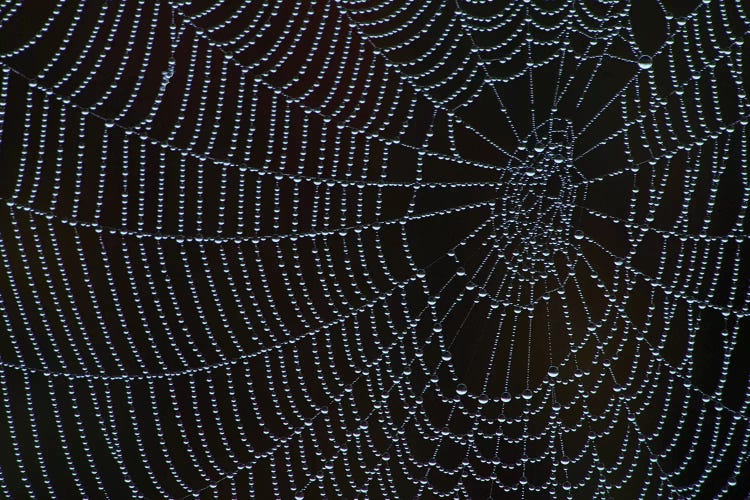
{"x":221,"y":273}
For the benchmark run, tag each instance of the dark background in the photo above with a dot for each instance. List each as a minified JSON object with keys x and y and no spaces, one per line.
{"x":43,"y":255}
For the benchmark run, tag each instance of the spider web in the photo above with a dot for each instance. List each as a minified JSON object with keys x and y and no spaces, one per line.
{"x":376,"y":249}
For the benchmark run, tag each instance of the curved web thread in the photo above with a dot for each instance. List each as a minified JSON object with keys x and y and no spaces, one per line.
{"x":358,"y":248}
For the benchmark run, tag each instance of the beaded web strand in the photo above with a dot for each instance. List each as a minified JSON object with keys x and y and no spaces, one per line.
{"x":374,"y":249}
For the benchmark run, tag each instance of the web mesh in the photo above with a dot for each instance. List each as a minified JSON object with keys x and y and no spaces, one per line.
{"x":374,"y":249}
